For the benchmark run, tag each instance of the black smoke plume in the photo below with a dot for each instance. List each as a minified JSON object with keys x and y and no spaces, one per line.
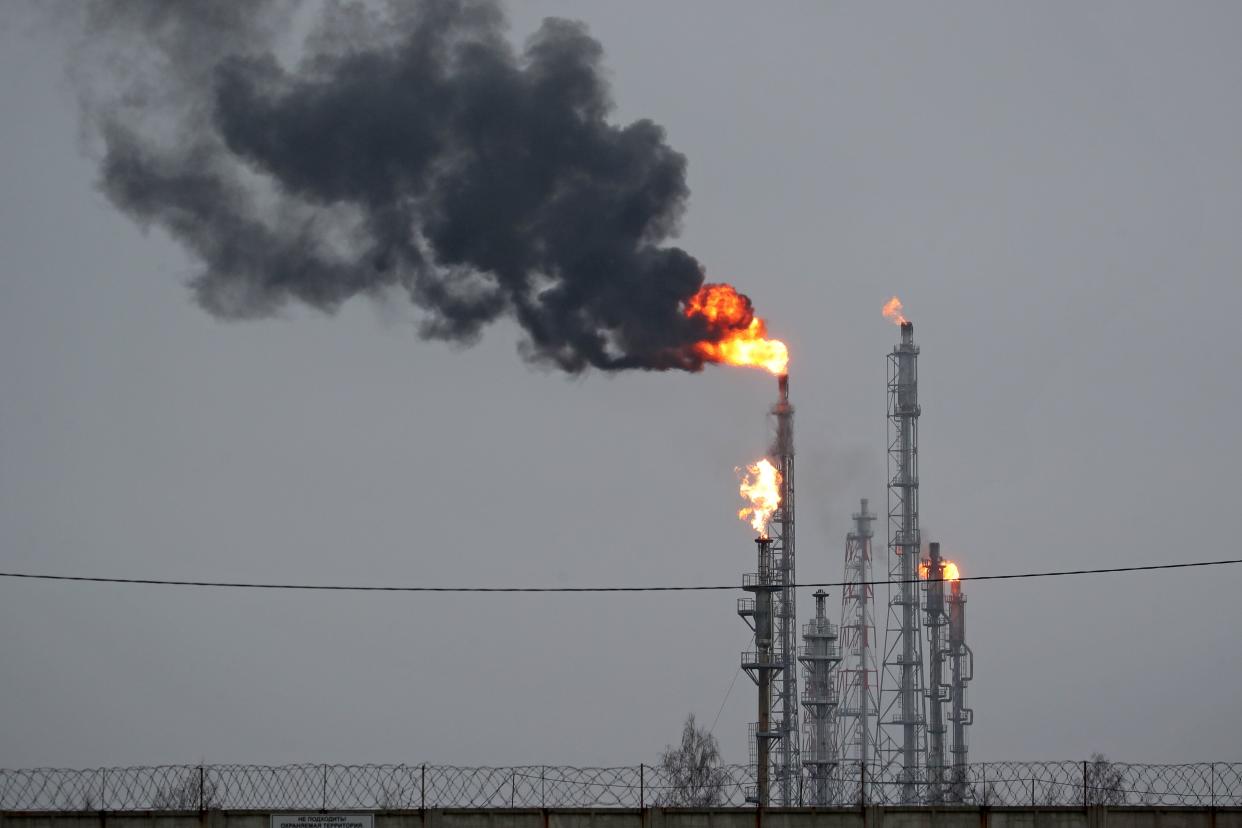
{"x":408,"y":148}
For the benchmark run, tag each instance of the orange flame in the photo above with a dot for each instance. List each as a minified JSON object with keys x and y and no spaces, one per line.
{"x":892,"y":311}
{"x":761,"y":487}
{"x":950,"y":570}
{"x":744,"y":340}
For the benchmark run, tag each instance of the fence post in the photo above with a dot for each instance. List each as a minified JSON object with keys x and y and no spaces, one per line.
{"x":103,"y":789}
{"x":201,"y":788}
{"x":543,"y":797}
{"x":1212,"y":785}
{"x":1084,"y":784}
{"x":512,"y":785}
{"x":642,"y":787}
{"x":422,"y":788}
{"x":325,"y":787}
{"x":1032,"y":792}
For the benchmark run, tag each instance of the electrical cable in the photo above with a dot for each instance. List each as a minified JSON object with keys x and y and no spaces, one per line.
{"x":681,"y":588}
{"x":723,"y":702}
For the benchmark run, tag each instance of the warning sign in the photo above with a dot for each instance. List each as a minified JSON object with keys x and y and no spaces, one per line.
{"x":323,"y":820}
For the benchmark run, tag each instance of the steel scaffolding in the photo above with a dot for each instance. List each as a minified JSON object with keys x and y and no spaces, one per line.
{"x":786,"y":769}
{"x":902,"y":725}
{"x":857,"y":676}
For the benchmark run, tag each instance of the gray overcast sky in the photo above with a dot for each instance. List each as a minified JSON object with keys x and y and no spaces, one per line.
{"x":1053,"y":189}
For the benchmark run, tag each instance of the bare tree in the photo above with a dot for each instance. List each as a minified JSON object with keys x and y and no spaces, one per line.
{"x":1103,"y":782}
{"x":1055,"y":793}
{"x":394,"y":796}
{"x":190,"y":793}
{"x":691,"y":772}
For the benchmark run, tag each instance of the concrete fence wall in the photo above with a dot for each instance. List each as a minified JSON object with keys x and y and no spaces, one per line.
{"x":872,"y":817}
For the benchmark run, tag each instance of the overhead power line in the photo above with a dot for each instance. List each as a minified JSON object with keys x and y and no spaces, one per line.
{"x":659,"y":588}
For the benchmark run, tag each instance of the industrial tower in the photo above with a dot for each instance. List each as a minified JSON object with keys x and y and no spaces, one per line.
{"x":938,"y":687}
{"x":819,"y":655}
{"x":857,"y":676}
{"x":962,"y":670}
{"x":902,"y":725}
{"x":786,"y":764}
{"x":762,"y":664}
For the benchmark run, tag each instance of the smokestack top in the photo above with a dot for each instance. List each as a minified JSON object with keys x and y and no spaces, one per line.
{"x":905,"y":346}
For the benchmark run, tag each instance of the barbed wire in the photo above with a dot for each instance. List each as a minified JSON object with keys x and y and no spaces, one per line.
{"x":416,"y":787}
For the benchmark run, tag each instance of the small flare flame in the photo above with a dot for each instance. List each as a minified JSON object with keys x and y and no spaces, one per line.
{"x":892,"y":311}
{"x":761,"y":488}
{"x":744,"y":336}
{"x":950,"y":570}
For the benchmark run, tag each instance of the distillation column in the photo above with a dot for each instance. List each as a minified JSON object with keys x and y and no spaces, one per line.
{"x":902,"y":723}
{"x":857,"y":676}
{"x":819,"y":656}
{"x":962,"y":669}
{"x":761,"y":664}
{"x":937,"y":686}
{"x":785,"y":709}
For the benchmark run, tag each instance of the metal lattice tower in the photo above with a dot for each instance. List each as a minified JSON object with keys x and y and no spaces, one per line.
{"x":857,"y":676}
{"x":902,"y":726}
{"x":937,"y":684}
{"x":786,"y":765}
{"x":764,"y":663}
{"x":819,"y":655}
{"x":962,"y":670}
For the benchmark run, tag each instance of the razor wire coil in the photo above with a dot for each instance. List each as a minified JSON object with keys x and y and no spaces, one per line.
{"x":321,"y":787}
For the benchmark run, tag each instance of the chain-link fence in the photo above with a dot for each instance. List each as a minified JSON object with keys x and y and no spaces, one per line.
{"x":402,"y":787}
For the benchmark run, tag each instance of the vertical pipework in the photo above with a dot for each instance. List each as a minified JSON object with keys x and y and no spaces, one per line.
{"x":785,"y":620}
{"x":763,"y":648}
{"x":773,"y":616}
{"x":762,"y":664}
{"x":902,"y":721}
{"x":962,"y":667}
{"x":935,"y":680}
{"x":819,"y":656}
